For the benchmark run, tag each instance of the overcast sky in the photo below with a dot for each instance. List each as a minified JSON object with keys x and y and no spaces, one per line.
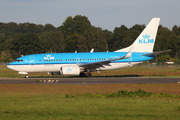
{"x":106,"y":14}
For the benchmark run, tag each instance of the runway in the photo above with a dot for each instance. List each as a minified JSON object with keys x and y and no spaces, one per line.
{"x":93,"y":80}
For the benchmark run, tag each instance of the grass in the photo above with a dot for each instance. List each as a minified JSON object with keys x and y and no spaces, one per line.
{"x":48,"y":101}
{"x":97,"y":88}
{"x":56,"y":106}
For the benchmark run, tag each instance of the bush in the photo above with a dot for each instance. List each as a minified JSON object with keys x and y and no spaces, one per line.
{"x":122,"y":93}
{"x":177,"y":61}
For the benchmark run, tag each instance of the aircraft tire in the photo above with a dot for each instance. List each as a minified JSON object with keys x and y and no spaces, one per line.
{"x":88,"y":74}
{"x":82,"y":75}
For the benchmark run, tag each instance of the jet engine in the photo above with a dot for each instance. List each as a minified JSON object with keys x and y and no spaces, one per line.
{"x":70,"y":70}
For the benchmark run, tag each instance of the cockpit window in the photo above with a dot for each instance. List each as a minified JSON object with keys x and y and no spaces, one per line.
{"x":19,"y":60}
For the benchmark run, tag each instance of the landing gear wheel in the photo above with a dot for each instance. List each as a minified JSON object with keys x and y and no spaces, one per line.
{"x":26,"y":76}
{"x":82,"y":75}
{"x":88,"y":74}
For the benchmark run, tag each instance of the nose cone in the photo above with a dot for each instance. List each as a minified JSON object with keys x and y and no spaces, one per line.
{"x":11,"y":66}
{"x":8,"y":66}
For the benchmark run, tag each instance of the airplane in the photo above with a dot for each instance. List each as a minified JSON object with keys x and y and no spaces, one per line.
{"x":80,"y":63}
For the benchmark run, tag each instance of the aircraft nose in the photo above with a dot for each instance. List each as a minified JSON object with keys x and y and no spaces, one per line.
{"x":9,"y":66}
{"x":12,"y":67}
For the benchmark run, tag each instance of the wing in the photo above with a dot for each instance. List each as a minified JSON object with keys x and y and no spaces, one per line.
{"x":95,"y":65}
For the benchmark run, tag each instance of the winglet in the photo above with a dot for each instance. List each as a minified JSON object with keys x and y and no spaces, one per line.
{"x":129,"y":53}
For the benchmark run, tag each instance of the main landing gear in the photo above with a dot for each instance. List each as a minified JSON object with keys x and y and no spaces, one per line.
{"x":88,"y":74}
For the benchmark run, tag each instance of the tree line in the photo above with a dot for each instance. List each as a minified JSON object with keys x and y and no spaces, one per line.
{"x":77,"y":34}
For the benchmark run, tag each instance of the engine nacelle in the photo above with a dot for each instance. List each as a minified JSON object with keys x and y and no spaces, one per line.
{"x":70,"y":70}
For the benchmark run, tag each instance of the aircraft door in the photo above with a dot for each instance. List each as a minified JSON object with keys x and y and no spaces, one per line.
{"x":77,"y":61}
{"x":32,"y":60}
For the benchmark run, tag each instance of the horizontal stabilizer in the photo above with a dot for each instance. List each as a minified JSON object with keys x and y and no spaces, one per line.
{"x":155,"y":53}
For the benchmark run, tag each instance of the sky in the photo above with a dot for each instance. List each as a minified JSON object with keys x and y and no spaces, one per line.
{"x":106,"y":14}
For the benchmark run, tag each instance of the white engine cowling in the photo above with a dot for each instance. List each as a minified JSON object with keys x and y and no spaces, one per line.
{"x":70,"y":70}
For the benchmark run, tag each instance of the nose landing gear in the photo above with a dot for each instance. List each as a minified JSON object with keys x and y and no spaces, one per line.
{"x":26,"y":76}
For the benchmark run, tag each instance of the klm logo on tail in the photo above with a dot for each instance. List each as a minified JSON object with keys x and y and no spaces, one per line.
{"x":146,"y":39}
